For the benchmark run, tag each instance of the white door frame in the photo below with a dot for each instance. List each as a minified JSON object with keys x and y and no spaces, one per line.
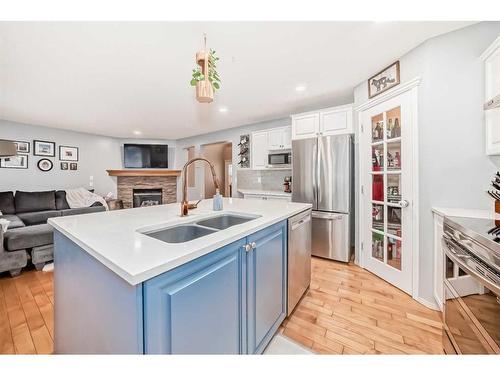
{"x":411,"y":86}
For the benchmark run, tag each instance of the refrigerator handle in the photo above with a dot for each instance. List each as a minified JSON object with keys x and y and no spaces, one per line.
{"x":327,"y":215}
{"x":315,"y":167}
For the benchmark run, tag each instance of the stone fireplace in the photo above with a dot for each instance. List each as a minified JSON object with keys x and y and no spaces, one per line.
{"x":138,"y":188}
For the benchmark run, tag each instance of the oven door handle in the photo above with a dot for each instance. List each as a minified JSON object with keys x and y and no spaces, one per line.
{"x":458,"y":259}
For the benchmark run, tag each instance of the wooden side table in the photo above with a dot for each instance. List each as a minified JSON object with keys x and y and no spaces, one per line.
{"x":115,"y":204}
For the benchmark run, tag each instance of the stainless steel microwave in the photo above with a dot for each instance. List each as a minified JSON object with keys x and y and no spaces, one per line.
{"x":279,"y":159}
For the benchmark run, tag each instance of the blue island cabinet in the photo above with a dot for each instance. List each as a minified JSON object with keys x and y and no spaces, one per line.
{"x":230,"y":301}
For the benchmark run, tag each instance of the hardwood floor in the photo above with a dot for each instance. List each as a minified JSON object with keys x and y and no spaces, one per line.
{"x":27,"y":313}
{"x":346,"y":311}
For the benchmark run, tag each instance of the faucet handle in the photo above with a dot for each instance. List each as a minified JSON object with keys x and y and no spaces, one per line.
{"x":192,"y":206}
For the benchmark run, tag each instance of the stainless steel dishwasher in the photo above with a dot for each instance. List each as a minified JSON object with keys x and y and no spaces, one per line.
{"x":299,"y":257}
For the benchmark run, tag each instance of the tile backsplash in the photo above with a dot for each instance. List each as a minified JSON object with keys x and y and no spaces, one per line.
{"x":269,"y":179}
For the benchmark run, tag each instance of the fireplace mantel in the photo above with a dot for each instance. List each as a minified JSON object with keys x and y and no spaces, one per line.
{"x":144,"y":172}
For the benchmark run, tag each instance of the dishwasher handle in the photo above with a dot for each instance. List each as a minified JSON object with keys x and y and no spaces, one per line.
{"x":301,"y":222}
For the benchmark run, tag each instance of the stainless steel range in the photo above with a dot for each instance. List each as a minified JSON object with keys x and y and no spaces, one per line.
{"x":472,"y":300}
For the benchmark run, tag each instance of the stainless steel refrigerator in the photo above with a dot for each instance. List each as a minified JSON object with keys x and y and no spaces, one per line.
{"x":323,"y":174}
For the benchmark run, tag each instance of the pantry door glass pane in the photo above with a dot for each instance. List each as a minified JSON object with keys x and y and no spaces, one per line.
{"x":386,"y":187}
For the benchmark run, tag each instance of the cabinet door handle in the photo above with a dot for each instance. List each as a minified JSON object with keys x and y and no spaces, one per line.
{"x":247,"y":247}
{"x":253,"y":245}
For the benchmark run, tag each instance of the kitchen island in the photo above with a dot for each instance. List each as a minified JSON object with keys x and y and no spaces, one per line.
{"x":133,"y":281}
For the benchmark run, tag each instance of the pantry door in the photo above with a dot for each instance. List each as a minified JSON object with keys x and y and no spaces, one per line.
{"x":387,"y":166}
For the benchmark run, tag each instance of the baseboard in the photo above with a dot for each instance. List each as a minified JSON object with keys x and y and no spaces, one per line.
{"x":430,"y":304}
{"x":439,"y":303}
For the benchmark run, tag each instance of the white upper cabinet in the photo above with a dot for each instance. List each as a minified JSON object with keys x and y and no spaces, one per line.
{"x":287,"y":137}
{"x":491,"y":58}
{"x":305,"y":126}
{"x":263,"y":141}
{"x":336,"y":120}
{"x":279,"y":138}
{"x":259,"y":149}
{"x":274,"y":138}
{"x":329,"y":121}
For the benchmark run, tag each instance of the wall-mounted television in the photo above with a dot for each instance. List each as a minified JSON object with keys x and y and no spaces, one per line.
{"x":145,"y":156}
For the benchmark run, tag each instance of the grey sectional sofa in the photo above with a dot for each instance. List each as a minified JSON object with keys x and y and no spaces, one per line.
{"x":28,"y":235}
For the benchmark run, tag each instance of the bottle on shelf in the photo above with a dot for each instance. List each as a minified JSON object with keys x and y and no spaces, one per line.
{"x":389,"y":250}
{"x":397,"y":160}
{"x":377,"y":132}
{"x":390,"y":128}
{"x":396,"y":131}
{"x":390,"y":160}
{"x":376,"y":160}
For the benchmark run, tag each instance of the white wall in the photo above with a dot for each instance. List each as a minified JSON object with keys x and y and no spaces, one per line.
{"x":454,"y":170}
{"x":96,"y":155}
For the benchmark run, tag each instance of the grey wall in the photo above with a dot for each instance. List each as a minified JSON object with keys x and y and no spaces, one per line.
{"x":454,"y":170}
{"x":230,"y":135}
{"x":96,"y":154}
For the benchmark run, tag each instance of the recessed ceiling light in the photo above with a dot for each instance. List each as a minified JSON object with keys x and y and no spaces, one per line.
{"x":223,"y":109}
{"x":300,"y":88}
{"x":137,"y":132}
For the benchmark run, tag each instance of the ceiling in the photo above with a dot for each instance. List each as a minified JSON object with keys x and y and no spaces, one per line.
{"x":114,"y":78}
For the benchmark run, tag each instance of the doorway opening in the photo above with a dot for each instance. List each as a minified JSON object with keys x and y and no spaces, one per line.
{"x":220,"y":154}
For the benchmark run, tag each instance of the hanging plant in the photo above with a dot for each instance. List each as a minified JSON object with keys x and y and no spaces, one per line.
{"x":197,"y":76}
{"x":205,"y":76}
{"x":213,"y":76}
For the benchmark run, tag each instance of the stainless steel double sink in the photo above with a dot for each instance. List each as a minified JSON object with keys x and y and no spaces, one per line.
{"x":189,"y":231}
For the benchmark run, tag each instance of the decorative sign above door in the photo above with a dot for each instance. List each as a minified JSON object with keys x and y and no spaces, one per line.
{"x":384,"y":80}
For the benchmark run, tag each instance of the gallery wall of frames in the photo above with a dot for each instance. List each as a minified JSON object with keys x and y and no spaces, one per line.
{"x":49,"y":155}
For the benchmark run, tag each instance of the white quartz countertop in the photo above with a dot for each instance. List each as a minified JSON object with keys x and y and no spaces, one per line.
{"x":279,"y":193}
{"x":113,"y":237}
{"x":466,"y":212}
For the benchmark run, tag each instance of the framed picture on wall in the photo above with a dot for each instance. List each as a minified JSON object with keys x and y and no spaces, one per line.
{"x":73,"y":166}
{"x":15,"y":162}
{"x":64,"y":166}
{"x":68,"y":153}
{"x":45,"y":165}
{"x":22,"y":147}
{"x":44,"y":148}
{"x":384,"y":80}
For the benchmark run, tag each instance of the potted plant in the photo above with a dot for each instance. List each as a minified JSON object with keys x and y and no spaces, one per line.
{"x":205,"y":76}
